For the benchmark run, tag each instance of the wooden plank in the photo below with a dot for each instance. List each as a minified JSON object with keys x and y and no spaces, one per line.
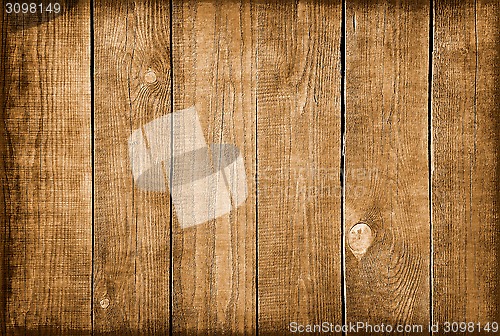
{"x":299,"y":136}
{"x":386,"y":169}
{"x":214,"y":262}
{"x":466,"y":139}
{"x":132,"y":226}
{"x":46,"y":173}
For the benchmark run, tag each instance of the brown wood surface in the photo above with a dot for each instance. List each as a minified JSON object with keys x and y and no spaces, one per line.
{"x":386,"y":158}
{"x":46,"y":174}
{"x":132,"y":227}
{"x":466,"y":142}
{"x":266,"y":77}
{"x":214,"y":262}
{"x":298,"y":128}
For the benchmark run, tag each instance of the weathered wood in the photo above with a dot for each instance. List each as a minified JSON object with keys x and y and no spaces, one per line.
{"x":298,"y":122}
{"x":214,"y":262}
{"x":386,"y":182}
{"x":265,"y":77}
{"x":132,"y":227}
{"x":46,"y":174}
{"x":466,"y":142}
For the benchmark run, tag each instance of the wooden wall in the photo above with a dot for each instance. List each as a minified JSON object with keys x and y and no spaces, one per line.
{"x":384,"y":113}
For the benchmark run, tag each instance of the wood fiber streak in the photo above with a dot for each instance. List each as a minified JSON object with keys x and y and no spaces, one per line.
{"x":466,"y":139}
{"x":132,"y":226}
{"x":45,"y":175}
{"x":298,"y":122}
{"x":387,"y":161}
{"x":214,"y":262}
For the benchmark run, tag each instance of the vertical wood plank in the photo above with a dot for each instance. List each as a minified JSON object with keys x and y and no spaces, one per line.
{"x":386,"y":182}
{"x":214,"y":262}
{"x":46,"y":173}
{"x":132,"y":226}
{"x":298,"y":122}
{"x":466,"y":139}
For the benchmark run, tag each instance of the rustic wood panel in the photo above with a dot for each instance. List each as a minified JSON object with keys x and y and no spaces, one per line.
{"x":298,"y":123}
{"x":132,"y":227}
{"x":465,"y":193}
{"x":266,"y":77}
{"x":386,"y":155}
{"x":46,"y":173}
{"x":214,"y":262}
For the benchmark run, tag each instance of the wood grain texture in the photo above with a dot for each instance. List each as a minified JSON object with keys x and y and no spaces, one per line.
{"x":298,"y":122}
{"x":132,"y":227}
{"x":46,"y":174}
{"x":466,"y":142}
{"x":214,"y":262}
{"x":386,"y":183}
{"x":264,"y":76}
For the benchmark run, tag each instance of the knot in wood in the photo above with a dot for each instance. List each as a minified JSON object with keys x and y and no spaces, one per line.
{"x":360,"y":238}
{"x":150,"y":77}
{"x":104,"y":303}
